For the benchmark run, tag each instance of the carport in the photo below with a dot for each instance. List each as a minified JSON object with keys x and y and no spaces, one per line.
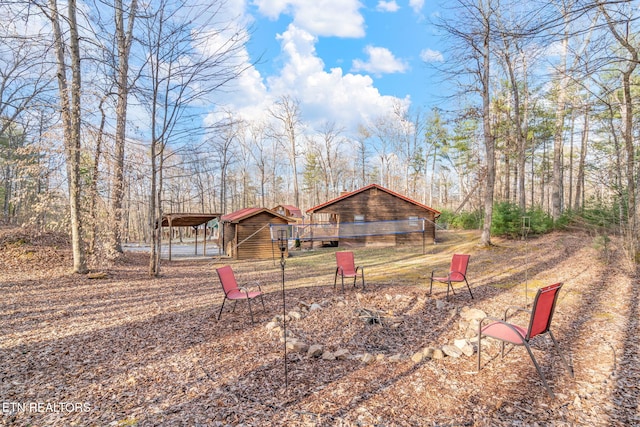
{"x":194,"y":220}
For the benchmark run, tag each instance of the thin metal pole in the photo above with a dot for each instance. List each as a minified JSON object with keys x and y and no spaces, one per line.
{"x":526,"y":226}
{"x":284,"y":323}
{"x":282,"y":244}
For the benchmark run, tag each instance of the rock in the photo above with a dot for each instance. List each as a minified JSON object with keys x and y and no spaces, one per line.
{"x":460,"y":343}
{"x":417,"y":357}
{"x":465,"y":346}
{"x":396,"y":358}
{"x":394,"y":323}
{"x":471,"y":314}
{"x":315,"y":350}
{"x":303,"y":305}
{"x":451,"y":351}
{"x":577,"y":403}
{"x":440,"y":304}
{"x":327,"y":355}
{"x":290,"y":334}
{"x":297,"y":346}
{"x":295,"y":315}
{"x":428,"y":352}
{"x":342,"y":354}
{"x":272,"y":325}
{"x":367,"y":358}
{"x":471,"y":332}
{"x":438,"y":354}
{"x":315,"y":306}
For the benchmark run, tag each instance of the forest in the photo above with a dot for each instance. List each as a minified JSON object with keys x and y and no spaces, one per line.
{"x":110,"y":117}
{"x":114,"y":114}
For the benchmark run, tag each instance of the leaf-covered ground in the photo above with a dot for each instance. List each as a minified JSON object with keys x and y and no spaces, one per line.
{"x":123,"y":349}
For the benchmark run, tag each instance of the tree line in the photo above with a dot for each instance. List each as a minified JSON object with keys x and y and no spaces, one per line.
{"x":105,"y":120}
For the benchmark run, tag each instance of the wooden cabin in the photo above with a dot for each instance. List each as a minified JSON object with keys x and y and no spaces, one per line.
{"x":246,"y":234}
{"x":371,"y":204}
{"x":289,"y":211}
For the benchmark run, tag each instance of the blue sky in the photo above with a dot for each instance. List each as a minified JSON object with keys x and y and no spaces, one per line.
{"x":346,"y":61}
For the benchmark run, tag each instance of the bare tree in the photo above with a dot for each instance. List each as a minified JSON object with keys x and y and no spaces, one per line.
{"x":435,"y":138}
{"x":385,"y":130}
{"x":472,"y":34}
{"x":514,"y":61}
{"x":259,"y":148}
{"x":327,"y":149}
{"x":124,"y":26}
{"x":561,"y":100}
{"x":287,"y":113}
{"x":69,"y":89}
{"x":363,"y":135}
{"x":191,"y":52}
{"x":224,"y":144}
{"x":619,"y":22}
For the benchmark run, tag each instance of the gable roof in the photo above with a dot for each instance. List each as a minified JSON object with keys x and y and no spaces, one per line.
{"x":294,"y":211}
{"x":368,"y":187}
{"x":245,"y":213}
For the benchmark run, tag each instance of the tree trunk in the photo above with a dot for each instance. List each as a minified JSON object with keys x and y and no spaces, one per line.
{"x":522,"y":146}
{"x":556,"y":192}
{"x":489,"y":141}
{"x":123,"y":38}
{"x":579,"y":198}
{"x":70,"y":109}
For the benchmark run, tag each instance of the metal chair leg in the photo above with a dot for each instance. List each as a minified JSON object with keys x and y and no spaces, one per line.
{"x":250,"y":311}
{"x":221,"y":307}
{"x":535,"y":362}
{"x":564,"y":360}
{"x":468,"y":287}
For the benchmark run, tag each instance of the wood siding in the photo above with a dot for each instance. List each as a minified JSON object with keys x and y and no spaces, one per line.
{"x":252,"y":246}
{"x":378,"y":205}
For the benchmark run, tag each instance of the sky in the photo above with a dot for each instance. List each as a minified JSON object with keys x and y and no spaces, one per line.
{"x":345,"y":61}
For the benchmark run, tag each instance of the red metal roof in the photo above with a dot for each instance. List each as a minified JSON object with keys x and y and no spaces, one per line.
{"x":241,"y":214}
{"x":393,"y":193}
{"x":294,"y":211}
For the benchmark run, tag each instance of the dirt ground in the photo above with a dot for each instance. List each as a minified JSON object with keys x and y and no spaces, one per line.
{"x":117,"y":348}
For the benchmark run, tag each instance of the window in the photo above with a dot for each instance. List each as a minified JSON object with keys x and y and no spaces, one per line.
{"x":358,"y":218}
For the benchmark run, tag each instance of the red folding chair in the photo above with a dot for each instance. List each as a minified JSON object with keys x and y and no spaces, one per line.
{"x":347,"y":268}
{"x":539,"y":324}
{"x":457,"y":274}
{"x":233,"y":292}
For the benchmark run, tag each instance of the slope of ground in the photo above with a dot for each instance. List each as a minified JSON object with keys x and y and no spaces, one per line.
{"x":125,"y":349}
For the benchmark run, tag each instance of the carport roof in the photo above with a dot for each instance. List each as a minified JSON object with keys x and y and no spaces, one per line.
{"x":187,"y":219}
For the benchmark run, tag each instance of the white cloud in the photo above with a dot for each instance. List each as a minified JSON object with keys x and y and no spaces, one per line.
{"x":387,"y":6}
{"x":330,"y":18}
{"x":346,"y":99}
{"x":380,"y":61}
{"x":272,"y":9}
{"x":428,"y":55}
{"x":416,"y":5}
